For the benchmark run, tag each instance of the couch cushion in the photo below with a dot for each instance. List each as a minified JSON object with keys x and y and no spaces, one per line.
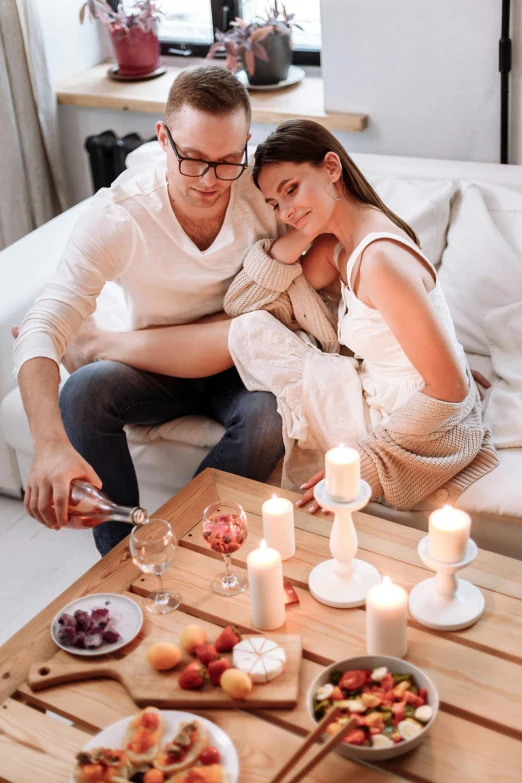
{"x":482,"y":263}
{"x":504,"y":409}
{"x":199,"y":431}
{"x":424,"y":205}
{"x":499,"y":491}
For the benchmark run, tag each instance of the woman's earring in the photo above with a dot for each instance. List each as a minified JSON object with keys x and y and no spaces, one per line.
{"x":336,"y":198}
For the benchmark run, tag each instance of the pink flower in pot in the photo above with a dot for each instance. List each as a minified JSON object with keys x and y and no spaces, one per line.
{"x":133,"y":32}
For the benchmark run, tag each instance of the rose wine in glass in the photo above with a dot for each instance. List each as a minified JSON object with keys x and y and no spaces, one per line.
{"x":225,"y":531}
{"x":153,"y":549}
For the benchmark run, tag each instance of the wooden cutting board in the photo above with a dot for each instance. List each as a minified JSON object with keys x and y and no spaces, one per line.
{"x":160,"y":689}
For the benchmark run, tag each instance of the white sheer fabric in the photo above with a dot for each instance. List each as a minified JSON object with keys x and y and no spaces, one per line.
{"x":31,"y":191}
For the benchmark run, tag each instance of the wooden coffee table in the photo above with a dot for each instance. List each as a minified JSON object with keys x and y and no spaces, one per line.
{"x":477,"y":737}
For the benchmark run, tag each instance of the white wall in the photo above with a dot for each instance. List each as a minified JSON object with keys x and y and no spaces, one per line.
{"x":69,"y":46}
{"x":425,"y":72}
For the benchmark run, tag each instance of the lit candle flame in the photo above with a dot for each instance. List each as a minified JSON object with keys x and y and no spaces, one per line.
{"x":387,"y":581}
{"x":262,"y":544}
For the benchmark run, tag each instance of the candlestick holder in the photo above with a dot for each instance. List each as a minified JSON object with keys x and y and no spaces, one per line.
{"x":445,"y":602}
{"x":344,"y":581}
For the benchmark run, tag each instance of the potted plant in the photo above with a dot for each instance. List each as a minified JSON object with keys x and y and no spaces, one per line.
{"x":263,"y":48}
{"x":133,"y":31}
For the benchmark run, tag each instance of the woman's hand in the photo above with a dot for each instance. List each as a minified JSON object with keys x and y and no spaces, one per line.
{"x":481,"y":380}
{"x":309,"y":494}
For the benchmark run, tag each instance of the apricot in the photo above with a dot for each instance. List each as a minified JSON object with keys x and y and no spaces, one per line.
{"x":236,"y":683}
{"x":191,"y":637}
{"x":163,"y":656}
{"x":153,"y":776}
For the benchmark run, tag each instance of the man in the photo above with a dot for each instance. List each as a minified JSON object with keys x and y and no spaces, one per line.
{"x":173,"y":237}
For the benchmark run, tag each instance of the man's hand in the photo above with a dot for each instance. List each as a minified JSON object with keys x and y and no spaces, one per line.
{"x":53,"y":469}
{"x":309,"y":494}
{"x":481,"y":380}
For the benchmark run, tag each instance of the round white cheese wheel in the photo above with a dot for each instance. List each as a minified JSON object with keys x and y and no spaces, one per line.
{"x":262,"y":659}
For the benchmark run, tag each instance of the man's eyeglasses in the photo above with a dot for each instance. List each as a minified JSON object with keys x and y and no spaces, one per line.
{"x":193,"y":167}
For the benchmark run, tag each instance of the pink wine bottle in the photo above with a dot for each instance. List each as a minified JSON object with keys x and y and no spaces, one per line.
{"x":89,"y":507}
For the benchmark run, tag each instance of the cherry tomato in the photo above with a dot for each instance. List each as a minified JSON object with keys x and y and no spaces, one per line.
{"x":209,"y":755}
{"x":356,"y":737}
{"x":353,"y":680}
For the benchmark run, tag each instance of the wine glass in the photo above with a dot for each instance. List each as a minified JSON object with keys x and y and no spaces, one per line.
{"x":225,"y":530}
{"x":153,"y":548}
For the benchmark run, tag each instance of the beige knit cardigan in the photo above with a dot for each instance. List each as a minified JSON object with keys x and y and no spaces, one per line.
{"x":283,"y":290}
{"x":425,"y":444}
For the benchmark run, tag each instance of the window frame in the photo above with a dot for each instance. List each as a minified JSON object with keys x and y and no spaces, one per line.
{"x":226,"y":11}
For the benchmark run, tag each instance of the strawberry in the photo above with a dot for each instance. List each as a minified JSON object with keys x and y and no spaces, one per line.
{"x":192,"y":677}
{"x":206,"y":653}
{"x":227,"y":639}
{"x":216,"y":669}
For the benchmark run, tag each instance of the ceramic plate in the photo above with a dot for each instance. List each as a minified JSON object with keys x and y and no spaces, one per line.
{"x":295,"y":74}
{"x":112,"y":737}
{"x":126,"y":618}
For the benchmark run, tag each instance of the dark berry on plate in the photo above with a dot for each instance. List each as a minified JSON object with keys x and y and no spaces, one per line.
{"x":79,"y":640}
{"x":83,"y":621}
{"x":66,"y":634}
{"x":67,"y":619}
{"x":111,"y":636}
{"x":100,"y":616}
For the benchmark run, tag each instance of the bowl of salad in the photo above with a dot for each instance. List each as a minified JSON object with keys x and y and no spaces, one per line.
{"x":394,"y":704}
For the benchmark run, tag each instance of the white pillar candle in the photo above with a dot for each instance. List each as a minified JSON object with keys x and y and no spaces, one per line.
{"x":387,"y":619}
{"x":265,"y":579}
{"x":278,"y":526}
{"x":449,"y":534}
{"x":342,"y":473}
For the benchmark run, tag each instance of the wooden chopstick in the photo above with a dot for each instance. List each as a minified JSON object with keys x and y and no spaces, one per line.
{"x":324,"y":750}
{"x":310,"y":740}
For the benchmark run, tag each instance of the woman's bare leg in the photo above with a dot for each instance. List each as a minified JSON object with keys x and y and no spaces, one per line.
{"x":187,"y":351}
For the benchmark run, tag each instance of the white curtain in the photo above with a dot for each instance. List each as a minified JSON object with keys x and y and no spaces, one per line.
{"x":31,"y":181}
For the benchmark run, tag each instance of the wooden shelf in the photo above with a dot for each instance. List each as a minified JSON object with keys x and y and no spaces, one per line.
{"x":94,"y":89}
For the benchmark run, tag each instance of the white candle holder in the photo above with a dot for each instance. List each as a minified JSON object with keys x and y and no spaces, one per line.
{"x":344,"y":581}
{"x":445,"y":602}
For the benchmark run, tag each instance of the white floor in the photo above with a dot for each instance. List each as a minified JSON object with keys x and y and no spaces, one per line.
{"x":36,"y":564}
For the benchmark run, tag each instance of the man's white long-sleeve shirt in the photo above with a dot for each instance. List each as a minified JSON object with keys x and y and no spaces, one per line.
{"x":130,"y":235}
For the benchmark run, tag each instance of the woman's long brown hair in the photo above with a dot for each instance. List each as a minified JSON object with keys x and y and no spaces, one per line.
{"x":305,"y":141}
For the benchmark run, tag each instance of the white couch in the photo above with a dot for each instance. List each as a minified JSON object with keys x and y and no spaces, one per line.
{"x":467,"y":214}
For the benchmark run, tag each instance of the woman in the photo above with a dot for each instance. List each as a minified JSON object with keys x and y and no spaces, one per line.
{"x":406,"y":400}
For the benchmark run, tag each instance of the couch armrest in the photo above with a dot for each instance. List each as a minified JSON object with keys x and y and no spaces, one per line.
{"x":25,"y":267}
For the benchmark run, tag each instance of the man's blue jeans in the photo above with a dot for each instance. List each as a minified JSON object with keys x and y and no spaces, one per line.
{"x":98,"y":400}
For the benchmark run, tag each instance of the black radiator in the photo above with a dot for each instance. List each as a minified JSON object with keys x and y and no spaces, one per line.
{"x":107,"y":154}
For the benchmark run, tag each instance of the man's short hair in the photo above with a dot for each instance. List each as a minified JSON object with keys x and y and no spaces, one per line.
{"x":208,"y":88}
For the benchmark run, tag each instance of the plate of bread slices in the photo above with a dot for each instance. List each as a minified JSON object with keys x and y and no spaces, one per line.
{"x":158,"y":746}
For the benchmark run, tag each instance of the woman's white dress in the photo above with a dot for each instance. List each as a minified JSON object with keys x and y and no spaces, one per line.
{"x":327,"y":399}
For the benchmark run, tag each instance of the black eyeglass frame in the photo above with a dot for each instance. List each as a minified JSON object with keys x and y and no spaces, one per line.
{"x":210,"y":164}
